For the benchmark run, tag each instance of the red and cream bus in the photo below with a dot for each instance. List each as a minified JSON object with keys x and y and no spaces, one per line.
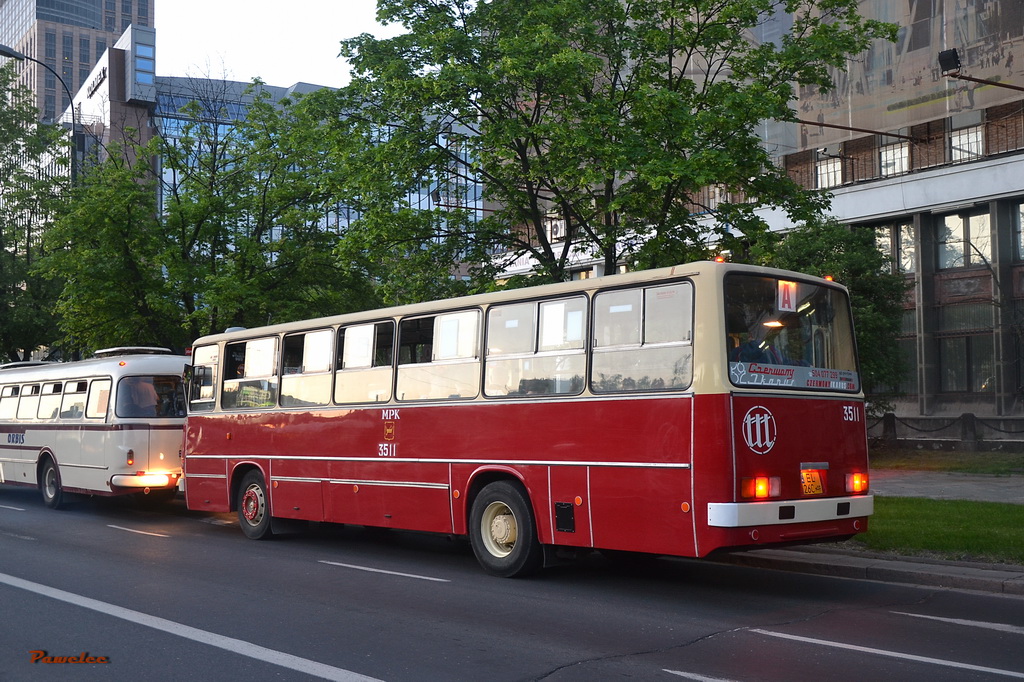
{"x":674,"y":411}
{"x":110,"y":425}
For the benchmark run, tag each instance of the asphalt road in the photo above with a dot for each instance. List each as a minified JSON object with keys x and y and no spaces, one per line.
{"x":176,"y":595}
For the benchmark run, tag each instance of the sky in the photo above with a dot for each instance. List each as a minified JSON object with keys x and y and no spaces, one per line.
{"x":280,"y":42}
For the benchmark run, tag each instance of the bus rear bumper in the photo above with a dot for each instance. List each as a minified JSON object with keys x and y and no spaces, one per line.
{"x":742,"y":514}
{"x":144,"y":480}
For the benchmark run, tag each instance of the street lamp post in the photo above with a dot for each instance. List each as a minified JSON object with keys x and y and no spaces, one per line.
{"x":14,"y":54}
{"x":949,"y":63}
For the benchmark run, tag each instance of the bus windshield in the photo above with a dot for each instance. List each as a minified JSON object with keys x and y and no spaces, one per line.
{"x":150,"y":396}
{"x":789,"y":334}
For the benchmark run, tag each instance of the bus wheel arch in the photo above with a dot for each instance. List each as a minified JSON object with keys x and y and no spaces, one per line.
{"x":252,"y":501}
{"x":503,"y":528}
{"x":48,"y":477}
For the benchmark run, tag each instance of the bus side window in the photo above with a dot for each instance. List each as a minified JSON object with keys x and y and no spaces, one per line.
{"x":306,"y":369}
{"x":203,"y":385}
{"x":536,"y":348}
{"x":73,"y":404}
{"x":49,"y":403}
{"x":29,"y":402}
{"x":9,"y":402}
{"x":439,"y":356}
{"x":642,"y":339}
{"x":364,"y":363}
{"x":250,"y":379}
{"x":99,"y":399}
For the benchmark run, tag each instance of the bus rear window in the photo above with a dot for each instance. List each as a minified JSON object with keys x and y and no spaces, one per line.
{"x":787,"y":334}
{"x":150,"y":396}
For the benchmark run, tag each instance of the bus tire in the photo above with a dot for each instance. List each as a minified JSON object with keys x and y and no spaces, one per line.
{"x":254,"y":506}
{"x":502,"y":531}
{"x":49,"y":484}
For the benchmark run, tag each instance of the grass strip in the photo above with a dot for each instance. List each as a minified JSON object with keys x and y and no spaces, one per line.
{"x":947,"y":529}
{"x":997,"y":463}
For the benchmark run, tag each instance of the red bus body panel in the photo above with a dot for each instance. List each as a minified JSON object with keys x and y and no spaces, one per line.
{"x":633,"y":474}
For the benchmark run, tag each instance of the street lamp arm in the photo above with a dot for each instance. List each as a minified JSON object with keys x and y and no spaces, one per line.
{"x":11,"y":53}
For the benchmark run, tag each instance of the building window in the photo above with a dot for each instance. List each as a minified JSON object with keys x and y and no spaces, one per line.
{"x":966,"y":348}
{"x":829,"y":172}
{"x":966,"y":363}
{"x":50,"y":49}
{"x":897,"y":243}
{"x":84,"y":50}
{"x":894,"y":159}
{"x":964,"y":240}
{"x":966,"y":144}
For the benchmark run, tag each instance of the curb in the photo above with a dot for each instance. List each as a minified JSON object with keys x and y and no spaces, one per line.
{"x":995,"y":578}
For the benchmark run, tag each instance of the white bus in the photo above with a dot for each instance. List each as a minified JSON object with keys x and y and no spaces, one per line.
{"x":110,"y":425}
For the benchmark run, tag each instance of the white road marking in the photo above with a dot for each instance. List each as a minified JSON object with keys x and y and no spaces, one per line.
{"x":379,"y":570}
{"x":893,"y":654}
{"x":4,"y":506}
{"x":237,"y":646}
{"x":140,"y":532}
{"x":16,"y":536}
{"x":695,"y":676}
{"x":1001,"y":627}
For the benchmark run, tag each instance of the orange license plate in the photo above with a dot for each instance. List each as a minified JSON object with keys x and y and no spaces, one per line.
{"x":811,"y":480}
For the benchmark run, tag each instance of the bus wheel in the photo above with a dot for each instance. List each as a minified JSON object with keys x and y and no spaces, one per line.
{"x":254,"y":507}
{"x":49,"y":485}
{"x":502,"y":531}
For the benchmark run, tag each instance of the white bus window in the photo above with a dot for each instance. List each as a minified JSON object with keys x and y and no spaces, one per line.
{"x":365,"y":356}
{"x":72,"y":405}
{"x":642,"y":339}
{"x":617,"y":318}
{"x":438,"y":356}
{"x":136,"y":397}
{"x":203,"y":384}
{"x":306,"y":367}
{"x":668,"y":314}
{"x":29,"y":401}
{"x":9,"y":402}
{"x":562,"y":324}
{"x":159,"y":395}
{"x":99,"y":399}
{"x":512,"y":329}
{"x":524,"y":358}
{"x":250,"y":376}
{"x":456,"y":336}
{"x":49,"y":403}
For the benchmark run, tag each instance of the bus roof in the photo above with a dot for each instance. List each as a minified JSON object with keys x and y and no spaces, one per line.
{"x":99,"y":366}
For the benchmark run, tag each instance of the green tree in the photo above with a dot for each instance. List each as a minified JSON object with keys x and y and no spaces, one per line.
{"x":609,"y":116}
{"x":242,"y":234}
{"x":33,"y":178}
{"x":106,"y":252}
{"x":877,"y":294}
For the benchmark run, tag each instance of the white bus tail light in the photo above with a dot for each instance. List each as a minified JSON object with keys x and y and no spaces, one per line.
{"x":761,"y":487}
{"x":856,"y":483}
{"x":131,"y":458}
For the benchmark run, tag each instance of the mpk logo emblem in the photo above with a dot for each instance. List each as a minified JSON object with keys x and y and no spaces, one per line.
{"x":759,"y":430}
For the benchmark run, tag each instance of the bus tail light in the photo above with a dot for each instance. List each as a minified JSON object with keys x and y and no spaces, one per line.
{"x":856,"y":483}
{"x":131,"y":458}
{"x":761,"y":487}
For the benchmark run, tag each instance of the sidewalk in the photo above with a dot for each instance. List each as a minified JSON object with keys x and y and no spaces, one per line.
{"x":835,"y":560}
{"x":940,"y":485}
